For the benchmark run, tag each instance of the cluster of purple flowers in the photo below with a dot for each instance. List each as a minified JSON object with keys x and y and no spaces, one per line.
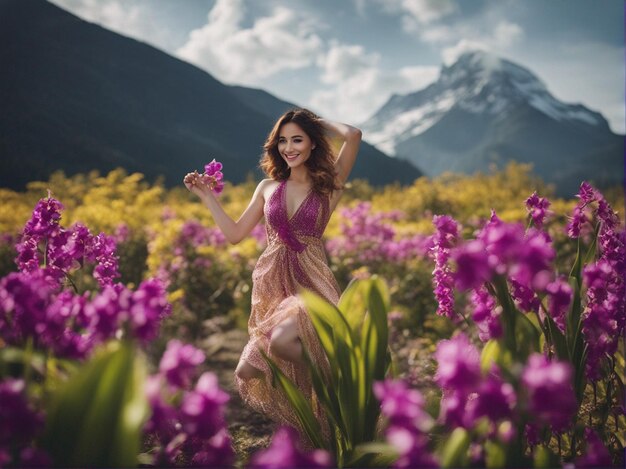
{"x":33,"y":304}
{"x":469,"y":395}
{"x":57,"y":251}
{"x":368,"y":237}
{"x":285,"y":452}
{"x":214,"y":171}
{"x":604,"y":316}
{"x":444,"y":239}
{"x":70,"y":324}
{"x":505,"y":249}
{"x":551,"y":398}
{"x":192,"y":235}
{"x":184,"y":420}
{"x":537,"y":209}
{"x":19,"y":425}
{"x":407,"y":423}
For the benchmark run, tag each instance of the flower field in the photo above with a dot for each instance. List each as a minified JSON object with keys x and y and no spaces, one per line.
{"x":503,"y":307}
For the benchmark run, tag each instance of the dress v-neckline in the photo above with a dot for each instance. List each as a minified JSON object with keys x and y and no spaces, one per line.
{"x":290,"y":218}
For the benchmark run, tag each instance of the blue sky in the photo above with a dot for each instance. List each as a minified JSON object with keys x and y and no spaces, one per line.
{"x":345,"y":58}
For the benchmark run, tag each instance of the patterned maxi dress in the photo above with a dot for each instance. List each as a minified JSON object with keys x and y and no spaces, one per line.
{"x":294,"y":259}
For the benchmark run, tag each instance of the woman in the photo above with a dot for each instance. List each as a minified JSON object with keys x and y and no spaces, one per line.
{"x":304,"y":186}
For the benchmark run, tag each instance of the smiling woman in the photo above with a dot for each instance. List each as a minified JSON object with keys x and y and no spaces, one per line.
{"x":304,"y":186}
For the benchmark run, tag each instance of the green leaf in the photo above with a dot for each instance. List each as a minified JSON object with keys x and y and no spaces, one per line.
{"x":544,"y":458}
{"x":527,"y":337}
{"x":301,"y":406}
{"x":557,"y":338}
{"x":318,"y":306}
{"x":96,"y":418}
{"x":455,"y":449}
{"x":353,"y":304}
{"x":375,"y":454}
{"x":495,"y":454}
{"x":489,"y":355}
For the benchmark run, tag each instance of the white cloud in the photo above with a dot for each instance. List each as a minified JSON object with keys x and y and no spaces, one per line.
{"x":421,"y":11}
{"x":235,"y":54}
{"x":450,"y":54}
{"x":504,"y":36}
{"x":358,"y":85}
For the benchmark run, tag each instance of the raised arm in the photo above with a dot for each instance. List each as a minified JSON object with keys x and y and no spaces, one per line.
{"x":347,"y":154}
{"x":234,"y":231}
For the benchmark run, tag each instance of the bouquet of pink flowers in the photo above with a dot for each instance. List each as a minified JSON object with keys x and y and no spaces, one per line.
{"x":212,"y":177}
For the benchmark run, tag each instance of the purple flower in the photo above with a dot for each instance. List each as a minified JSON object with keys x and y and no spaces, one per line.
{"x":494,"y":399}
{"x":458,"y":364}
{"x":444,"y":238}
{"x":452,"y":407}
{"x":596,"y":454}
{"x":65,"y":319}
{"x":448,"y":229}
{"x":19,"y":424}
{"x":401,"y":405}
{"x":559,"y":299}
{"x":103,"y":250}
{"x":217,"y":451}
{"x":550,"y":392}
{"x":524,"y":297}
{"x":213,"y":167}
{"x":532,"y":265}
{"x":164,"y":417}
{"x":577,"y":220}
{"x":603,"y":317}
{"x":202,"y":409}
{"x":411,"y":446}
{"x":24,"y":298}
{"x":486,"y":314}
{"x":472,"y":265}
{"x":586,"y":193}
{"x":121,"y":233}
{"x":213,"y":171}
{"x":179,"y":363}
{"x":45,"y":218}
{"x":285,"y":452}
{"x":537,"y":208}
{"x":148,"y":307}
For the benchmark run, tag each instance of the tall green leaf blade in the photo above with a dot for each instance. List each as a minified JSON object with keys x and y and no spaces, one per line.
{"x":301,"y":406}
{"x":353,"y":304}
{"x":316,"y":305}
{"x":96,"y":418}
{"x":378,"y":313}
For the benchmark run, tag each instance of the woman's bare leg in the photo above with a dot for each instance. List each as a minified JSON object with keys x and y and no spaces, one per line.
{"x":246,"y":371}
{"x":285,"y":342}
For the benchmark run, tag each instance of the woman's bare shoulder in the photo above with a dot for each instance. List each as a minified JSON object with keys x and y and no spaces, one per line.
{"x":266,"y":187}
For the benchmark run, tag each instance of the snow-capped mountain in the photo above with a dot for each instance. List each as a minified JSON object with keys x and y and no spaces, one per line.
{"x":484,"y":110}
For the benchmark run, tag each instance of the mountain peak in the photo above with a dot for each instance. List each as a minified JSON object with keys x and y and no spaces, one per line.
{"x":483,"y":109}
{"x":479,"y":67}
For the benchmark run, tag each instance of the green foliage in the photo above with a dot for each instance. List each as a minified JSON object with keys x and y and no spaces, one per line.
{"x":95,"y":418}
{"x":353,"y":335}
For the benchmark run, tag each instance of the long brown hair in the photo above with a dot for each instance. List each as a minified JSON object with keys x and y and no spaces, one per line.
{"x":321,"y":163}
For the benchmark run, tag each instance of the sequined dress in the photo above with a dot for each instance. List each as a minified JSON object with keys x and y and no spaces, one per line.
{"x":294,"y":259}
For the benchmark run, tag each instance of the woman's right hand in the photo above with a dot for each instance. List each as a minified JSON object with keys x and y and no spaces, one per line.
{"x":195,"y":184}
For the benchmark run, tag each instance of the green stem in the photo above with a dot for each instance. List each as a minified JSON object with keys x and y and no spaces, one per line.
{"x":508,"y":316}
{"x":69,"y":278}
{"x":45,"y":254}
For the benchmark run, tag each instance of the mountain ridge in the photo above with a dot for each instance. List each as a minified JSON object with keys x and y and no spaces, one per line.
{"x":78,"y":97}
{"x":484,"y":110}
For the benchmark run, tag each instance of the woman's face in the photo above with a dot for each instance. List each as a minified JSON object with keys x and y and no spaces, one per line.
{"x":294,"y":145}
